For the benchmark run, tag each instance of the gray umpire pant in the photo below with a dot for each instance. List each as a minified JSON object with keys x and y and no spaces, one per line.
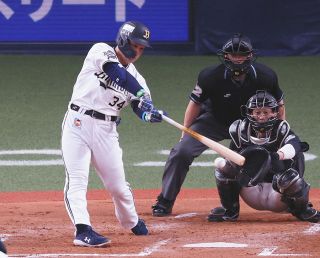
{"x":185,"y":151}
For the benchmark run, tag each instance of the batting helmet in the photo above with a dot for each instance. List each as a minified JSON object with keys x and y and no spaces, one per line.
{"x":262,"y":99}
{"x":135,"y":32}
{"x":238,"y":45}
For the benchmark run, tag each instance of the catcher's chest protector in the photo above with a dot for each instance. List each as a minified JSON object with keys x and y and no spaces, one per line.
{"x":240,"y":132}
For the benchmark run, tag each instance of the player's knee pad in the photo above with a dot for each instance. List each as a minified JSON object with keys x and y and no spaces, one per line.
{"x":228,"y":173}
{"x":290,"y":184}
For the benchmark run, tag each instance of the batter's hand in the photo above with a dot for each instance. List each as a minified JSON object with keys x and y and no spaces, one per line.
{"x":155,"y":116}
{"x":145,"y":104}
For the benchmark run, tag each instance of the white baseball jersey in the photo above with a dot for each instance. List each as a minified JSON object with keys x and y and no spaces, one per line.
{"x":86,"y":139}
{"x":95,"y":90}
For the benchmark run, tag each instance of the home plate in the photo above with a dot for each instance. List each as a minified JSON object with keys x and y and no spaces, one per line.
{"x":186,"y":215}
{"x":216,"y":245}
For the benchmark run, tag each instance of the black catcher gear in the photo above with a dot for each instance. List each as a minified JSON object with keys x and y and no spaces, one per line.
{"x":132,"y":31}
{"x":256,"y":166}
{"x":261,"y":99}
{"x":295,"y":193}
{"x":237,"y":45}
{"x":229,"y":190}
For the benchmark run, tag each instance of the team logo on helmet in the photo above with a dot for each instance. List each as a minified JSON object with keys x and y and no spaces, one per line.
{"x":146,"y":34}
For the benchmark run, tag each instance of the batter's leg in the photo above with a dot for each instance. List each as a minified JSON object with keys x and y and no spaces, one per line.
{"x":76,"y":156}
{"x":107,"y":159}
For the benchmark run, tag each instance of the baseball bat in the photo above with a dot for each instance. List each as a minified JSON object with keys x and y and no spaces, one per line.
{"x":219,"y":148}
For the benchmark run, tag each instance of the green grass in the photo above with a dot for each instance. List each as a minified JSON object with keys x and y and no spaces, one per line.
{"x":35,"y":92}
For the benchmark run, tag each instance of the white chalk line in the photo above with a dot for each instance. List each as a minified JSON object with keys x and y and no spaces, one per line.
{"x":39,"y":151}
{"x":162,"y":164}
{"x":206,"y":152}
{"x":315,"y":228}
{"x":146,"y":252}
{"x":59,"y":162}
{"x":269,"y":252}
{"x":216,"y":245}
{"x":4,"y":237}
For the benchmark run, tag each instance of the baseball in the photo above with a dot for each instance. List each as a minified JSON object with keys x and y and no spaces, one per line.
{"x":219,"y":162}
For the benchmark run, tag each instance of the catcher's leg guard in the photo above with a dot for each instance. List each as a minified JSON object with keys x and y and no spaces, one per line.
{"x":162,"y":207}
{"x":295,"y":192}
{"x":229,"y":190}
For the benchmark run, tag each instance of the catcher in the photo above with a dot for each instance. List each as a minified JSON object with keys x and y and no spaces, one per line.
{"x":272,"y":176}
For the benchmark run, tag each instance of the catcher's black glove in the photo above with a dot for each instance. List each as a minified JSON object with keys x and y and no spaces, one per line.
{"x":256,"y":166}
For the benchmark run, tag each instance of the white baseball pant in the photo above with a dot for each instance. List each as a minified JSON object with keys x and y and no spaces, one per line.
{"x":85,"y":140}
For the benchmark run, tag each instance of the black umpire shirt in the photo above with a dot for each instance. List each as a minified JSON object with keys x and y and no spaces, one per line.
{"x":227,"y":95}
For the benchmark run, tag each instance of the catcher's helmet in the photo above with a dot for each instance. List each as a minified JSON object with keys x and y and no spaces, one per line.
{"x":135,"y":32}
{"x":238,"y":45}
{"x":254,"y":108}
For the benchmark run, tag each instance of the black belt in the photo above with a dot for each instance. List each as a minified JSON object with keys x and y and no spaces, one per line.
{"x":94,"y":114}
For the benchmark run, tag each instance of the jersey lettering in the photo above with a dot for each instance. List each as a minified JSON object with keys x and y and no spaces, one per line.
{"x":115,"y":102}
{"x":106,"y":82}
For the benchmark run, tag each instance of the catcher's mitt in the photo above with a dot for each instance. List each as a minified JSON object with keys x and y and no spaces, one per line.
{"x":256,"y":166}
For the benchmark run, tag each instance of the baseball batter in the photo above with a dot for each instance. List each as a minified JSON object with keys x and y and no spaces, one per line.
{"x":107,"y":83}
{"x":277,"y":184}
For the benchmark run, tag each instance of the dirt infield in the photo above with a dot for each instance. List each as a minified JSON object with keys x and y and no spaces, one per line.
{"x":35,"y":224}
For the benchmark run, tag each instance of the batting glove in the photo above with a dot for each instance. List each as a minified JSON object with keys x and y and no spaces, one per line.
{"x":155,"y":116}
{"x":145,"y":104}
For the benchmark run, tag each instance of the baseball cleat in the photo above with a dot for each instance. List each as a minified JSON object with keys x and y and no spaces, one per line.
{"x":90,"y":238}
{"x":162,"y":207}
{"x":309,"y":214}
{"x":220,"y":214}
{"x":3,"y":249}
{"x":159,"y":210}
{"x":140,"y":229}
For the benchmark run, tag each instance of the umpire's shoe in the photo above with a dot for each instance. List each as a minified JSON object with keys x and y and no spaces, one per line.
{"x":220,"y":214}
{"x":162,"y":207}
{"x":140,"y":229}
{"x":90,"y":238}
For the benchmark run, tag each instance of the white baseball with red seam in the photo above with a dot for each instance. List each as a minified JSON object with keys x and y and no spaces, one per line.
{"x":219,"y":162}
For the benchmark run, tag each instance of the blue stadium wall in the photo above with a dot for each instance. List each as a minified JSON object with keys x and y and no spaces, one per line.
{"x":276,"y":27}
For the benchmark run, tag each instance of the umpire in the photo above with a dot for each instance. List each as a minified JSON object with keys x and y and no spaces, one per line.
{"x":214,"y":104}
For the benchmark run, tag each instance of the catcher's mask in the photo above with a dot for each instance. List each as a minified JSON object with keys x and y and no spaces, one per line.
{"x":132,"y":31}
{"x":256,"y":166}
{"x":262,"y":112}
{"x":237,"y":54}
